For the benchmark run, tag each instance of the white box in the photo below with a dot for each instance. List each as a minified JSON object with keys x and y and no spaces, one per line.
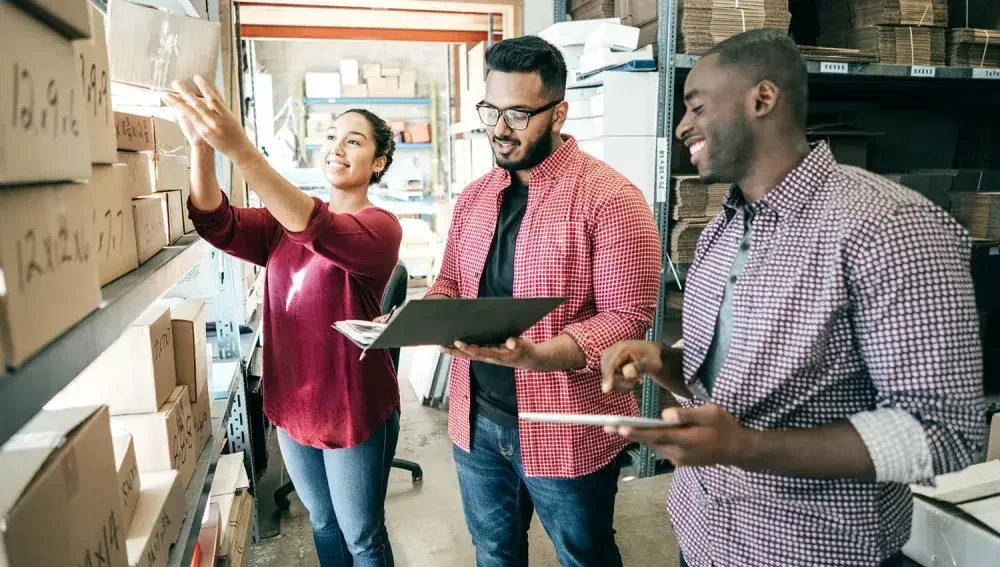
{"x":350,"y":72}
{"x":625,"y":106}
{"x":43,"y":132}
{"x":942,"y":536}
{"x":92,"y":60}
{"x":632,"y":156}
{"x":322,"y":85}
{"x":573,"y":33}
{"x":613,"y":36}
{"x":571,"y":55}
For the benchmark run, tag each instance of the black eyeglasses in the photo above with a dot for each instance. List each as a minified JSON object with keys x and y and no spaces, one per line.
{"x":515,"y":119}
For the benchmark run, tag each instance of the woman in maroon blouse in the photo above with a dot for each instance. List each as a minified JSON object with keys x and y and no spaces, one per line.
{"x":337,"y":415}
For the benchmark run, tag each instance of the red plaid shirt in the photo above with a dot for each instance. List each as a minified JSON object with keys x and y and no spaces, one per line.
{"x":587,"y":235}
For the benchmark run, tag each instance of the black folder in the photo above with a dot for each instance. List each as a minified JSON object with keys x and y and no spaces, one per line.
{"x":484,"y":321}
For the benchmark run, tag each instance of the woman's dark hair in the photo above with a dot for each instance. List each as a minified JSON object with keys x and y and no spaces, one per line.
{"x":384,"y":138}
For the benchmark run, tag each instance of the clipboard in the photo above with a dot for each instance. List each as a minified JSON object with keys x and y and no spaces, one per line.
{"x":440,"y":322}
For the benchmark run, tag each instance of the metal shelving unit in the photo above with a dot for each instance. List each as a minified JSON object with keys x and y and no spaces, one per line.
{"x":26,"y":390}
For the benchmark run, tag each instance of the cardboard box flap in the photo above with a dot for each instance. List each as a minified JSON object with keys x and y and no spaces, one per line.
{"x":161,"y":47}
{"x":186,"y":309}
{"x":986,"y":511}
{"x":230,"y":475}
{"x":29,"y":449}
{"x":973,"y":483}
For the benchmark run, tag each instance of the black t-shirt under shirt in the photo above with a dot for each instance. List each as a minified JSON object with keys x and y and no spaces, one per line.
{"x":493,"y":385}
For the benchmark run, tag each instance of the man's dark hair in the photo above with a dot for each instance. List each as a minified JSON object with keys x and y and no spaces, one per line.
{"x":531,"y":54}
{"x":769,"y":55}
{"x":384,"y":138}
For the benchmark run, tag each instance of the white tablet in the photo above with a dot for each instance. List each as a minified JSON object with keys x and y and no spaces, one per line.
{"x":587,"y":419}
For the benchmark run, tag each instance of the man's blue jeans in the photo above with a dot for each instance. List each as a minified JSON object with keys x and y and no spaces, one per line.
{"x":498,"y":499}
{"x":344,"y":491}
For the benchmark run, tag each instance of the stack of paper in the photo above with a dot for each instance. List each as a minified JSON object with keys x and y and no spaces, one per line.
{"x":591,"y":9}
{"x":361,"y":333}
{"x":979,"y":213}
{"x":974,"y":48}
{"x":693,"y":200}
{"x":684,"y":239}
{"x":905,"y":45}
{"x":705,"y":23}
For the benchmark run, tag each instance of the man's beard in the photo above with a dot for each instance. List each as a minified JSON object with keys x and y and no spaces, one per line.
{"x":535,"y":152}
{"x":732,"y":152}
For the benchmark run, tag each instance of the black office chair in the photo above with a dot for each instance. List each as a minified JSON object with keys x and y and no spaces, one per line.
{"x":394,"y":296}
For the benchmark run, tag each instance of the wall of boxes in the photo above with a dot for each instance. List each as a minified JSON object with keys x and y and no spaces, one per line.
{"x":92,"y":187}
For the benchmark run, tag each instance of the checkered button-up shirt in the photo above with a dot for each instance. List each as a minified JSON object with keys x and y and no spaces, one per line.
{"x":856,"y":303}
{"x":587,"y":235}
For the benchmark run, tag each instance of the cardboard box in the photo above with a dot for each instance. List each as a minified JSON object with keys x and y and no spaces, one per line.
{"x":95,"y":84}
{"x":169,"y":137}
{"x":958,"y":521}
{"x":185,"y":218}
{"x":154,"y":48}
{"x":613,"y":36}
{"x":172,"y":172}
{"x":135,"y":375}
{"x":187,"y":319}
{"x":242,"y":525}
{"x":49,"y":264}
{"x":637,"y":12}
{"x":59,"y":501}
{"x":355,"y":91}
{"x":408,"y":76}
{"x":151,"y":221}
{"x":317,"y":123}
{"x":114,"y":225}
{"x":163,"y":440}
{"x":420,"y":132}
{"x":350,"y":72}
{"x":322,"y":85}
{"x":128,"y":476}
{"x":371,"y":71}
{"x":230,"y":480}
{"x":67,"y":17}
{"x":407,"y":89}
{"x":202,"y":410}
{"x":175,"y":216}
{"x":134,"y":132}
{"x":158,"y":519}
{"x":210,"y":536}
{"x":631,"y":156}
{"x":140,"y":173}
{"x":391,"y":68}
{"x":43,"y":134}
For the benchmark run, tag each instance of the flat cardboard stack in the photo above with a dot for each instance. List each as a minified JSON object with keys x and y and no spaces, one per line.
{"x":230,"y":493}
{"x":969,"y":47}
{"x":590,"y":9}
{"x":979,"y":213}
{"x":908,"y":32}
{"x":706,"y":23}
{"x":684,"y":239}
{"x":47,"y":240}
{"x":59,"y":499}
{"x":693,"y":200}
{"x":837,"y":54}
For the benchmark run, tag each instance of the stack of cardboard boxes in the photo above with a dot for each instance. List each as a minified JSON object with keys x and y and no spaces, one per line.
{"x":387,"y":79}
{"x":153,"y":380}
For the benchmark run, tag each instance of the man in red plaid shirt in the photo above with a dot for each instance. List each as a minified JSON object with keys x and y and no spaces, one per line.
{"x":548,"y":221}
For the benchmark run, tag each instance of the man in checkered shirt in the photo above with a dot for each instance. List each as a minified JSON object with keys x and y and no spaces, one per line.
{"x":548,"y":221}
{"x":831,"y":349}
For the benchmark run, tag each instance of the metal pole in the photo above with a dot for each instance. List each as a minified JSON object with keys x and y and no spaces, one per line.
{"x":667,"y":46}
{"x":490,"y":28}
{"x":449,"y":110}
{"x":560,"y":10}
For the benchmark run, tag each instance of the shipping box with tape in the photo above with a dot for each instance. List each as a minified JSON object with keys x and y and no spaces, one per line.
{"x":59,"y":501}
{"x":43,"y":133}
{"x":157,"y":521}
{"x":151,"y":218}
{"x":128,"y":476}
{"x":114,"y":225}
{"x":49,"y":264}
{"x":153,"y":48}
{"x":92,"y":63}
{"x":140,"y":176}
{"x":134,"y":132}
{"x":135,"y":375}
{"x":163,"y":440}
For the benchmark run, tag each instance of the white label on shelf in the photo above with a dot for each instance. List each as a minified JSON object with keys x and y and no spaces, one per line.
{"x":830,"y":67}
{"x":922,"y":71}
{"x":662,"y":170}
{"x":986,"y":73}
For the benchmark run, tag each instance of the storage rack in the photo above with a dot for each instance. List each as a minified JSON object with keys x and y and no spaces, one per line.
{"x":672,"y":67}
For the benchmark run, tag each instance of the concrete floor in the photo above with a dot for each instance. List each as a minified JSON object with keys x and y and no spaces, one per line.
{"x":426,"y":524}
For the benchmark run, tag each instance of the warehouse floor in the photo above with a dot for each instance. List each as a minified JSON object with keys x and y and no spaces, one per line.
{"x":426,"y":525}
